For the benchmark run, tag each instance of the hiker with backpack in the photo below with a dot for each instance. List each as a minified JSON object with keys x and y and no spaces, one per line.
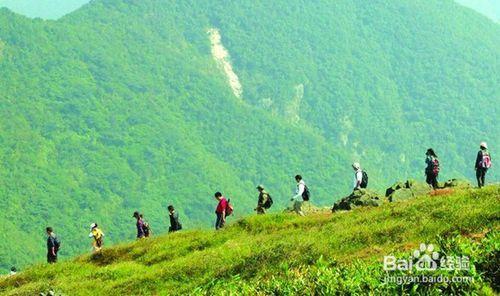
{"x":264,"y":202}
{"x":360,"y":177}
{"x":139,"y":225}
{"x":224,"y":209}
{"x":301,"y":195}
{"x":53,"y":245}
{"x":98,"y":237}
{"x":432,"y":168}
{"x":145,"y":226}
{"x":483,"y":163}
{"x":175,"y":225}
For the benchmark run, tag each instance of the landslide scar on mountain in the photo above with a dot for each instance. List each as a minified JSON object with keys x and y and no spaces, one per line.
{"x":221,"y":56}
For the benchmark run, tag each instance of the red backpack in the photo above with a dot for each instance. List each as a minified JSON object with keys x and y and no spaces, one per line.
{"x":435,"y":168}
{"x":229,"y":208}
{"x":486,"y":161}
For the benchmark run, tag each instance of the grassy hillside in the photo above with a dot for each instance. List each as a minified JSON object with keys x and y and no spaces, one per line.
{"x":120,"y":106}
{"x":321,"y":254}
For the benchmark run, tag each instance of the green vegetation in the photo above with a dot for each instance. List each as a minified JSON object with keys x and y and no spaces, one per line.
{"x":119,"y":106}
{"x":321,"y":254}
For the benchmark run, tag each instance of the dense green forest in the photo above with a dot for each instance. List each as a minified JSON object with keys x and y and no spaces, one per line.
{"x":120,"y":106}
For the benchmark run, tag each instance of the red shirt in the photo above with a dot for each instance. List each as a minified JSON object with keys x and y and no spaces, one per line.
{"x":221,"y":207}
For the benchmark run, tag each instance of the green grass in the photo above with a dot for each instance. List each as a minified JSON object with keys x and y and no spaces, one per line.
{"x":282,"y":254}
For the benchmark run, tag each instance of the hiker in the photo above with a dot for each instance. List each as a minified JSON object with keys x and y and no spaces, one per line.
{"x":145,"y":226}
{"x":301,"y":195}
{"x":360,"y":177}
{"x":98,"y":236}
{"x":483,"y":163}
{"x":139,"y":224}
{"x":53,"y":245}
{"x":175,"y":225}
{"x":432,"y":169}
{"x":220,"y":211}
{"x":264,"y":202}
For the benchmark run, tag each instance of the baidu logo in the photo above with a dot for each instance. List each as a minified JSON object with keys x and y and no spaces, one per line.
{"x":426,"y":258}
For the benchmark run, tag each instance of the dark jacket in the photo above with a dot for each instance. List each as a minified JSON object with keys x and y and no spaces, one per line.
{"x":174,"y":222}
{"x":429,"y":161}
{"x":479,"y":158}
{"x":263,"y":196}
{"x":52,"y":242}
{"x":140,"y":228}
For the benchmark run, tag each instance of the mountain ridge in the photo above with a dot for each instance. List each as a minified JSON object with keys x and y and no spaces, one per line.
{"x":320,"y":254}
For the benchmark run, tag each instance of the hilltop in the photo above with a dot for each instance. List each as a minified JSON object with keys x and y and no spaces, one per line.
{"x":321,"y":254}
{"x":133,"y":105}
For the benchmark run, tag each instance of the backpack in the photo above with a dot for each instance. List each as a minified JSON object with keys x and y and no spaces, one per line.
{"x":268,"y":203}
{"x":435,"y":166}
{"x":229,"y":208}
{"x":364,"y":180}
{"x":486,"y":161}
{"x":306,"y":194}
{"x":146,"y":229}
{"x":57,"y":243}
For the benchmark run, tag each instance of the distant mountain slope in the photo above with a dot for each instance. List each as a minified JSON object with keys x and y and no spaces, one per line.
{"x":94,"y":127}
{"x":322,"y":254}
{"x":121,"y":106}
{"x":46,"y":9}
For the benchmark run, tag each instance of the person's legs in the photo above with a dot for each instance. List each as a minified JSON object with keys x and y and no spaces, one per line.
{"x":428,"y":179}
{"x":478,"y":177}
{"x":260,"y":210}
{"x":97,"y":245}
{"x":434,"y":181}
{"x":297,"y":207}
{"x":51,"y":258}
{"x":481,"y":174}
{"x":219,"y":223}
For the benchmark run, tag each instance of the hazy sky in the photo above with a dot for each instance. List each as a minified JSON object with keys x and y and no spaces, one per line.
{"x":53,"y":9}
{"x":47,"y":9}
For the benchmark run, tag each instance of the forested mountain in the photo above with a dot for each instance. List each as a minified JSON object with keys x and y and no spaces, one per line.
{"x":125,"y":105}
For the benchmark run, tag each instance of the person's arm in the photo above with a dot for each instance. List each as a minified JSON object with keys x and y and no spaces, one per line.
{"x":53,"y":246}
{"x":479,"y":158}
{"x":176,"y":220}
{"x":359,"y":179}
{"x":299,"y":192}
{"x":226,"y":204}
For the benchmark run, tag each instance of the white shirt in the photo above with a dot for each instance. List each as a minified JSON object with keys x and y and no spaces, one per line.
{"x":358,"y":177}
{"x":300,"y":190}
